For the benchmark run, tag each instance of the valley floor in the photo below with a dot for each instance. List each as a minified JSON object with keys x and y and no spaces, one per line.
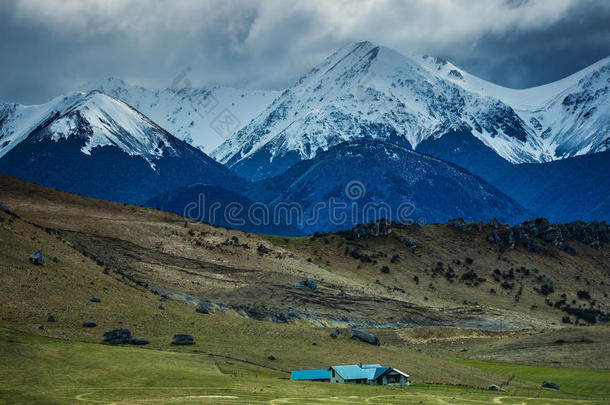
{"x":38,"y":370}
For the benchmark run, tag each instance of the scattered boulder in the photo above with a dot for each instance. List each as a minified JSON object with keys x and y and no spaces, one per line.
{"x":163,"y":298}
{"x":408,"y":243}
{"x":51,"y":318}
{"x":314,"y":344}
{"x":335,"y":334}
{"x":540,"y":225}
{"x":370,"y":229}
{"x":286,"y":316}
{"x":54,"y":259}
{"x":365,"y":337}
{"x":552,"y":234}
{"x":459,"y":223}
{"x":592,"y":234}
{"x":160,"y":306}
{"x":140,"y":341}
{"x":183,"y":340}
{"x":262,"y":249}
{"x":3,"y":207}
{"x":508,"y":238}
{"x":117,"y":336}
{"x":271,"y":357}
{"x":342,"y":293}
{"x":531,"y":245}
{"x":37,"y":258}
{"x":494,"y":387}
{"x":494,"y":223}
{"x":519,"y":232}
{"x":309,"y":283}
{"x":551,"y":385}
{"x":494,"y":237}
{"x":89,"y":324}
{"x":206,"y":307}
{"x":94,"y":299}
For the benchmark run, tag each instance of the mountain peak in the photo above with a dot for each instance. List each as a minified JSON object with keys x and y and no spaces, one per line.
{"x":365,"y":90}
{"x":95,"y":119}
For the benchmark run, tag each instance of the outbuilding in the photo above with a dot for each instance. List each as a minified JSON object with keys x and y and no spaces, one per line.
{"x":371,"y":374}
{"x":321,"y":375}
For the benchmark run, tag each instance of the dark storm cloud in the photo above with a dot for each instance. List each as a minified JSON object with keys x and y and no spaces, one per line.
{"x":51,"y":47}
{"x":541,"y":54}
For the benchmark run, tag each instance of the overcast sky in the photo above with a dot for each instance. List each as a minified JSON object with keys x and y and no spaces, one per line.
{"x":49,"y":47}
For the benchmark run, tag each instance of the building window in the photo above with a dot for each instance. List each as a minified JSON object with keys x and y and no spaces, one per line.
{"x":393,"y":379}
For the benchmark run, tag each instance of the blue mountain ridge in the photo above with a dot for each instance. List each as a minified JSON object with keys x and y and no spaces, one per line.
{"x":373,"y":179}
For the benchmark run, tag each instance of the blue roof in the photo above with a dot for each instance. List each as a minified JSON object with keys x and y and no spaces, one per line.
{"x":354,"y":372}
{"x":320,"y":374}
{"x":379,"y":371}
{"x":347,"y":372}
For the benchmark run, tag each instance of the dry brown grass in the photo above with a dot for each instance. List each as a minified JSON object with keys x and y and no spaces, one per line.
{"x":29,"y":293}
{"x":157,"y":249}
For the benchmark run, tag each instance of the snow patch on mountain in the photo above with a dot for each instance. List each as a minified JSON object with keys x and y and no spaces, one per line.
{"x":570,"y":117}
{"x":18,"y":121}
{"x":203,"y":117}
{"x":95,"y":117}
{"x":367,"y":91}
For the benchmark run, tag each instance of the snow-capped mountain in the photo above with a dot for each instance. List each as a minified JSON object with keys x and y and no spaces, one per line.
{"x":93,"y":144}
{"x":570,"y":116}
{"x":368,"y":91}
{"x":94,"y":117}
{"x":203,"y":117}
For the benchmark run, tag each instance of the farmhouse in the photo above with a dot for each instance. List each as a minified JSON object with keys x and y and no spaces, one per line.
{"x":372,"y":374}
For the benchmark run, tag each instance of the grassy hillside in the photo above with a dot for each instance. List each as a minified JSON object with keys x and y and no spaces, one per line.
{"x":395,"y":283}
{"x":38,"y":370}
{"x":30,"y":293}
{"x":129,"y":256}
{"x":572,"y":381}
{"x":434,"y":273}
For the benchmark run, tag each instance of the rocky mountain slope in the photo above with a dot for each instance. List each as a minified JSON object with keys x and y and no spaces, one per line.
{"x":570,"y":189}
{"x":381,"y":276}
{"x":93,"y":144}
{"x":368,"y":91}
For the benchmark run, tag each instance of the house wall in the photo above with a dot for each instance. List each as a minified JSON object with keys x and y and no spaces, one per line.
{"x":392,"y":379}
{"x":336,"y":378}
